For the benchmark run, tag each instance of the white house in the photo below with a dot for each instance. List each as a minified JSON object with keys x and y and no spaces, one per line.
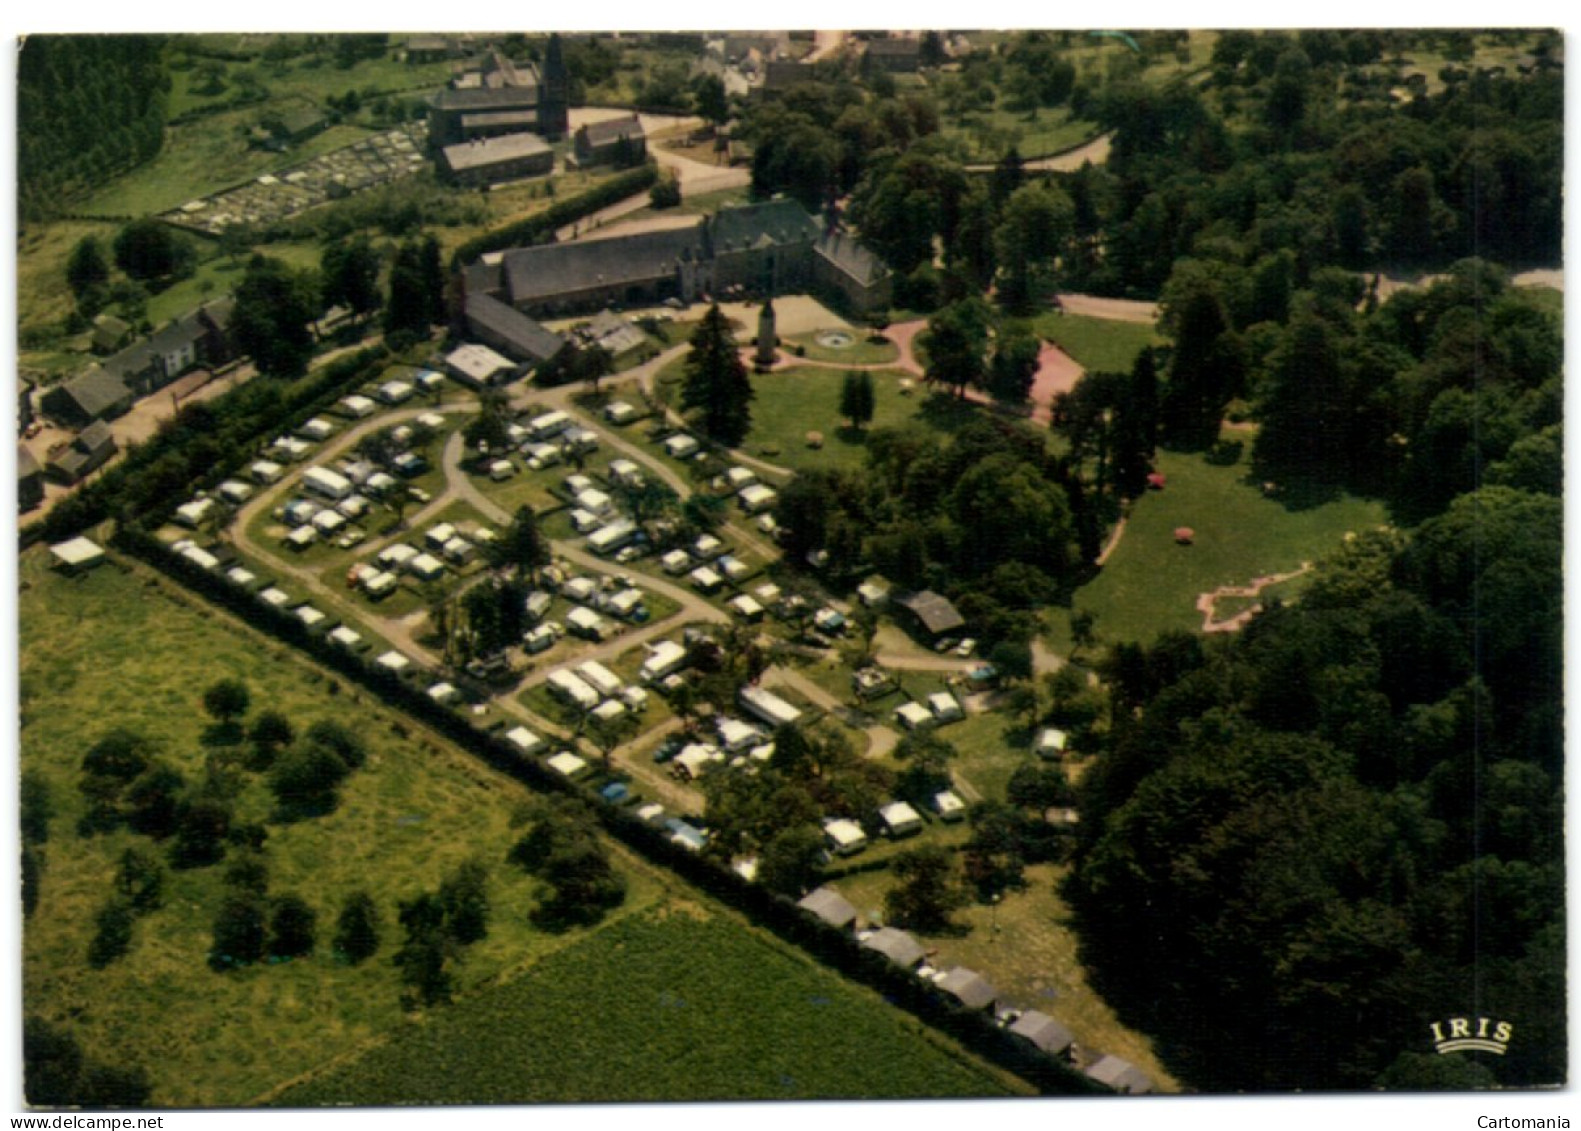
{"x":949,"y":806}
{"x":347,"y":639}
{"x":620,"y":412}
{"x":707,"y":548}
{"x":913,"y":715}
{"x":394,"y":662}
{"x":757,"y":498}
{"x":680,"y":446}
{"x":201,"y":558}
{"x":596,"y":501}
{"x":357,"y":407}
{"x":739,"y":478}
{"x":549,"y":424}
{"x":607,"y":539}
{"x":585,"y":521}
{"x":705,"y":580}
{"x":625,"y":472}
{"x":610,"y":710}
{"x":766,"y":706}
{"x":735,"y":735}
{"x":444,"y":694}
{"x":944,"y":707}
{"x":675,"y":562}
{"x":301,"y":538}
{"x":584,"y":622}
{"x":745,"y":608}
{"x":438,"y":535}
{"x":572,"y":689}
{"x":900,"y":819}
{"x":394,"y":392}
{"x":235,"y":492}
{"x":600,"y":677}
{"x":317,"y":429}
{"x":380,"y":585}
{"x":326,"y":483}
{"x":426,"y":567}
{"x":193,"y":513}
{"x":845,"y":837}
{"x":328,"y":522}
{"x":524,"y":740}
{"x":1051,"y":743}
{"x":274,"y":598}
{"x":568,"y":765}
{"x":664,"y":658}
{"x":265,"y":472}
{"x":626,"y":604}
{"x":397,"y":555}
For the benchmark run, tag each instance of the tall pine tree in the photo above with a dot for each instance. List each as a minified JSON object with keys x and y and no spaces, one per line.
{"x":716,"y":382}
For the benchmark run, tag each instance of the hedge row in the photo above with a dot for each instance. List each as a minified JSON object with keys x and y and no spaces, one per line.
{"x":535,"y":228}
{"x":202,"y":444}
{"x":832,"y":947}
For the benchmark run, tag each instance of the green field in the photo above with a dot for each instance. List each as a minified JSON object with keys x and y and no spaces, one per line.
{"x":793,"y":402}
{"x":861,"y":351}
{"x":1151,"y":583}
{"x":674,"y":1005}
{"x":413,"y":812}
{"x":1097,"y":344}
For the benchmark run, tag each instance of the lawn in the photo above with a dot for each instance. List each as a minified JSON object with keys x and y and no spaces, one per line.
{"x":676,"y":1004}
{"x":793,"y":402}
{"x":413,"y":812}
{"x":1151,"y":584}
{"x":1043,"y":133}
{"x":1097,"y":344}
{"x":1032,"y":959}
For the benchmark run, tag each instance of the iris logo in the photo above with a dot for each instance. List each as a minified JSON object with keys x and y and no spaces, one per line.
{"x":1487,"y":1037}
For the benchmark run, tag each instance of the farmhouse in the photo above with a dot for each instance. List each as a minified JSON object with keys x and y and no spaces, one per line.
{"x":830,"y":906}
{"x":96,"y":395}
{"x":503,"y":98}
{"x":489,"y":160}
{"x":89,"y":450}
{"x":772,"y":247}
{"x":895,"y":945}
{"x":619,"y":141}
{"x":509,"y":331}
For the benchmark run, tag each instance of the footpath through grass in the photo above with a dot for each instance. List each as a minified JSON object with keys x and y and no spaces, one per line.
{"x":681,"y":1004}
{"x":1151,"y":583}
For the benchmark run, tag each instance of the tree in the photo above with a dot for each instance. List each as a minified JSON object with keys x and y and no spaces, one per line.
{"x":200,"y":833}
{"x":716,"y":381}
{"x":1204,"y":371}
{"x":560,"y":849}
{"x":665,"y":193}
{"x":1014,"y":367}
{"x":350,"y":269}
{"x":792,"y":861}
{"x":150,"y":249}
{"x":464,"y":897}
{"x":36,"y":805}
{"x":140,"y":880}
{"x":957,"y":342}
{"x":270,"y":733}
{"x":306,"y":781}
{"x":113,"y":934}
{"x":86,"y":268}
{"x":357,"y":929}
{"x":411,"y":311}
{"x":489,"y":429}
{"x":708,"y":94}
{"x":427,"y":954}
{"x":273,"y":310}
{"x":856,"y":398}
{"x":522,"y":546}
{"x":55,"y":1073}
{"x":227,"y":700}
{"x":32,"y":877}
{"x":292,"y":925}
{"x":241,"y":931}
{"x":992,"y":859}
{"x":928,"y":891}
{"x":339,"y":740}
{"x":1036,"y":223}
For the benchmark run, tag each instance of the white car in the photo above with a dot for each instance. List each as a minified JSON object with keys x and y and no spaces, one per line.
{"x":966,"y":647}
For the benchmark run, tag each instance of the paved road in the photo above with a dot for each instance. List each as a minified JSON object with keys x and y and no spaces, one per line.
{"x":1096,"y":151}
{"x":880,"y":739}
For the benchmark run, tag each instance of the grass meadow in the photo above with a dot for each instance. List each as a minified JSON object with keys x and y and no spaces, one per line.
{"x":679,"y":1003}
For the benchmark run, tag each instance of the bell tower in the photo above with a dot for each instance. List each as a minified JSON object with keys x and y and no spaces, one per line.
{"x":554,"y":96}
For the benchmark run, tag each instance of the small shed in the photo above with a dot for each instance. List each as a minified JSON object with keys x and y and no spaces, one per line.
{"x":900,"y":819}
{"x":1043,"y":1032}
{"x":1051,"y":743}
{"x":77,"y":555}
{"x":969,"y":988}
{"x":895,"y":945}
{"x":830,"y":906}
{"x":845,"y":837}
{"x":944,"y":707}
{"x":524,"y":740}
{"x":913,"y":715}
{"x":1121,"y":1075}
{"x":569,"y":765}
{"x":949,"y":806}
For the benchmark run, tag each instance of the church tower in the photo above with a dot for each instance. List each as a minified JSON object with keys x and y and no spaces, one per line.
{"x":554,"y":96}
